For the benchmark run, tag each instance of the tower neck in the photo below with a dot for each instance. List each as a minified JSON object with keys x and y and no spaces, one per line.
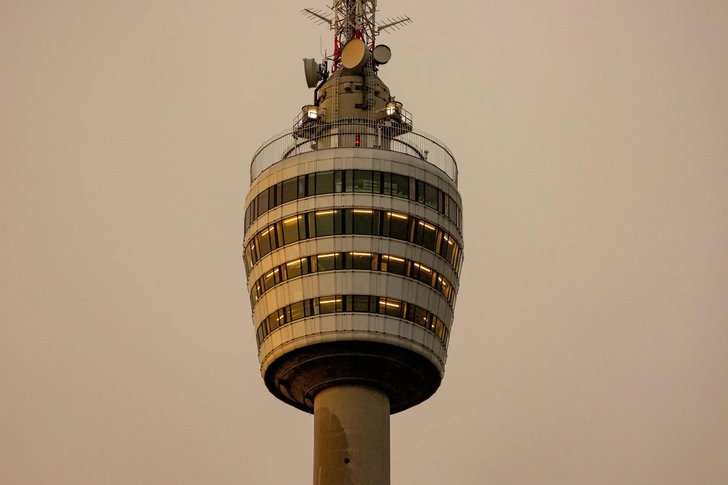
{"x":351,"y":436}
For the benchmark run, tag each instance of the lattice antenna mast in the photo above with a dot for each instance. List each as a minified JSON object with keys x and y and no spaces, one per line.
{"x":354,"y":19}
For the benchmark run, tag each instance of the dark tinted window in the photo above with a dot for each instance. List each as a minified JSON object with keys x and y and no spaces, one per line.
{"x":301,"y":186}
{"x":329,"y":262}
{"x":390,"y":306}
{"x":362,"y":221}
{"x":324,"y":182}
{"x":296,"y":311}
{"x":262,"y":202}
{"x":431,"y":196}
{"x":400,"y":185}
{"x":290,"y":190}
{"x":362,"y":261}
{"x":426,"y":235}
{"x":360,"y":303}
{"x":264,"y":241}
{"x":325,"y":223}
{"x":396,"y":226}
{"x":421,"y":192}
{"x":446,"y":247}
{"x":329,"y":304}
{"x":363,"y":181}
{"x":392,"y":264}
{"x":272,"y":197}
{"x":294,"y":268}
{"x":422,"y":273}
{"x":290,"y":229}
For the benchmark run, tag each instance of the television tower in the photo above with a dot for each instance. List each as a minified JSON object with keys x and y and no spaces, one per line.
{"x":353,"y":249}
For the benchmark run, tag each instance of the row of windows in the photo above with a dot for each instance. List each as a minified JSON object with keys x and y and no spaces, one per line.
{"x":370,"y":222}
{"x":352,"y":303}
{"x":366,"y":181}
{"x":351,"y":260}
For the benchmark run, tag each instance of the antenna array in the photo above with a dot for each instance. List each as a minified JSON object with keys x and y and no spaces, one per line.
{"x":351,"y":19}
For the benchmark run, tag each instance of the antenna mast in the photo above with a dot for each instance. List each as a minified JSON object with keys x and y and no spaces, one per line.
{"x":353,"y":19}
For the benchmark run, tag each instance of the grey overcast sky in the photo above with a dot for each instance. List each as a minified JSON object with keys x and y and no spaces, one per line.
{"x":590,"y":343}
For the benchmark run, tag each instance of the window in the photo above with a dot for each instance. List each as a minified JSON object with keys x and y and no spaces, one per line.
{"x":446,"y":247}
{"x":297,"y":311}
{"x":455,"y":260}
{"x":421,"y":192}
{"x":439,"y":327}
{"x":328,"y":262}
{"x":271,"y":197}
{"x":301,"y":186}
{"x":393,"y":264}
{"x":262,"y":203}
{"x":443,"y":287}
{"x":329,"y":304}
{"x":325,"y":223}
{"x":453,"y":211}
{"x":297,"y":268}
{"x":352,"y":221}
{"x":289,"y":189}
{"x":390,"y":306}
{"x":422,"y":273}
{"x":352,"y":303}
{"x":422,"y":317}
{"x":268,"y":281}
{"x":360,"y":303}
{"x":276,"y":319}
{"x":264,"y":241}
{"x":387,"y":183}
{"x":363,"y":261}
{"x":400,"y":185}
{"x":349,"y":181}
{"x":426,"y":235}
{"x":339,"y":181}
{"x":336,"y":181}
{"x":362,"y":221}
{"x":363,"y":181}
{"x":324,"y":182}
{"x":431,"y":196}
{"x":290,"y":229}
{"x":396,"y":225}
{"x":250,"y":258}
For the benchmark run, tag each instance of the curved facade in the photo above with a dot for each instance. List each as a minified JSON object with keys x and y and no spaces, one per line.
{"x":353,"y":257}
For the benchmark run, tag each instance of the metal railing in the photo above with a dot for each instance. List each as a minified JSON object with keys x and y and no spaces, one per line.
{"x":318,"y":135}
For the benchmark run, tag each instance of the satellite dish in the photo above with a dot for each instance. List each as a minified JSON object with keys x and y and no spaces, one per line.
{"x":382,"y":54}
{"x":313,"y":73}
{"x":355,"y":54}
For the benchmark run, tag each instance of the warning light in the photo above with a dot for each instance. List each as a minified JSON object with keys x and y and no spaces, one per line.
{"x":357,"y":140}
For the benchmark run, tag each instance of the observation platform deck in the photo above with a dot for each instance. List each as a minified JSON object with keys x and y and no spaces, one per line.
{"x":314,"y":136}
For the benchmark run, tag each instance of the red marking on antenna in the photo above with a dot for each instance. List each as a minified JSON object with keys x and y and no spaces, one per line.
{"x":337,"y":53}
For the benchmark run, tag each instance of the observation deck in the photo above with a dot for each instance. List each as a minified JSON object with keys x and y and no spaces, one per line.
{"x":308,"y":136}
{"x":353,"y":251}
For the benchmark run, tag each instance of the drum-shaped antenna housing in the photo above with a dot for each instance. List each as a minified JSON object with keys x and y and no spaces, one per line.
{"x":312,"y":71}
{"x":382,"y":54}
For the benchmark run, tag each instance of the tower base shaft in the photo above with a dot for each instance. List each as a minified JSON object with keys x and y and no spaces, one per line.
{"x":351,"y":436}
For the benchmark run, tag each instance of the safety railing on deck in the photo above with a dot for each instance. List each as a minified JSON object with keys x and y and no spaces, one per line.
{"x":318,"y":135}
